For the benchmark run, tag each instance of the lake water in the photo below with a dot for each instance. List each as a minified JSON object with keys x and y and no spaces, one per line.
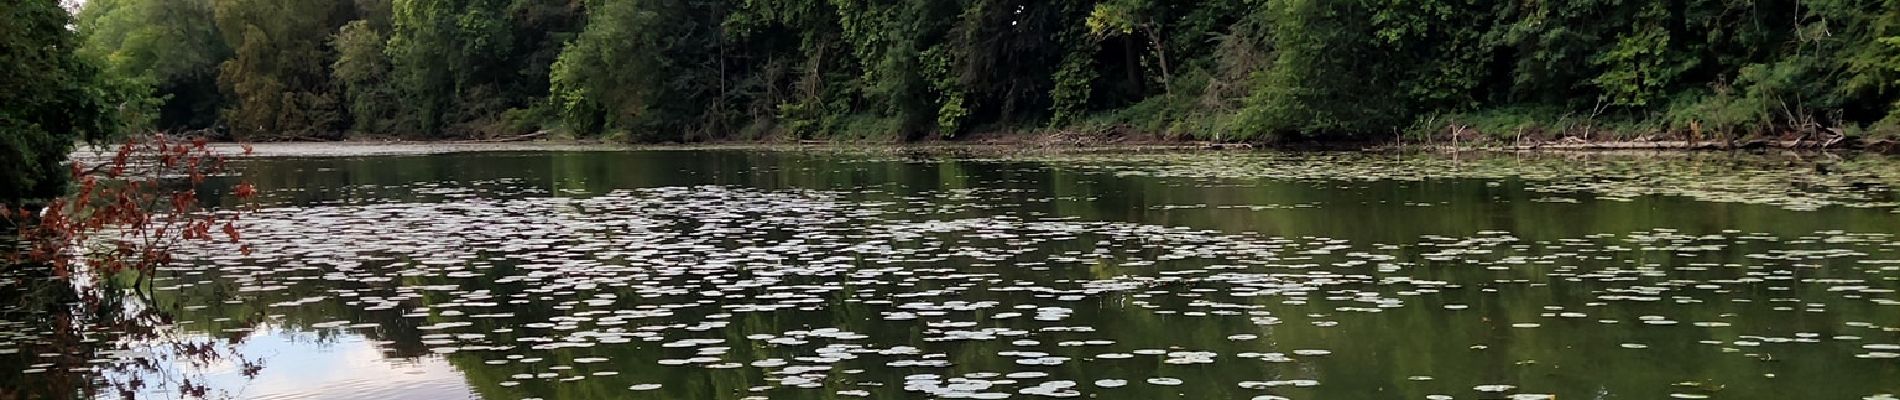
{"x":884,"y":274}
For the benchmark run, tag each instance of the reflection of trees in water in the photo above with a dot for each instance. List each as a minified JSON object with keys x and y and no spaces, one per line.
{"x":87,"y":343}
{"x":80,"y":266}
{"x":68,"y":341}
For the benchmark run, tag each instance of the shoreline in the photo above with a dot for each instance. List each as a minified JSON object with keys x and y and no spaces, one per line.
{"x":1040,"y":143}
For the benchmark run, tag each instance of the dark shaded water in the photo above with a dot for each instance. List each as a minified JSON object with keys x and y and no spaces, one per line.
{"x":748,"y":274}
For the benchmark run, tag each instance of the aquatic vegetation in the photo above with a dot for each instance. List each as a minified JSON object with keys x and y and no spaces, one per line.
{"x":880,"y":290}
{"x":1794,"y":182}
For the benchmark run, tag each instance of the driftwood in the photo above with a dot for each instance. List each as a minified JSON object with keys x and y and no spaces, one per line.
{"x":521,"y":138}
{"x":1225,"y":146}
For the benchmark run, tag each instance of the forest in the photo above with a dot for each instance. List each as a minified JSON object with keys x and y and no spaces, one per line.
{"x":900,"y":70}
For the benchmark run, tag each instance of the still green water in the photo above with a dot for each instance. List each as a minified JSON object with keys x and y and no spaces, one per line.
{"x":735,"y":274}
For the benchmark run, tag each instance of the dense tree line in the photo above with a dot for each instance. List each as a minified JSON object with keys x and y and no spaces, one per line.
{"x":50,"y":98}
{"x":660,"y":70}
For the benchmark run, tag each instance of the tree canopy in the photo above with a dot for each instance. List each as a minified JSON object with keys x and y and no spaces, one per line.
{"x":50,"y":98}
{"x":676,"y":70}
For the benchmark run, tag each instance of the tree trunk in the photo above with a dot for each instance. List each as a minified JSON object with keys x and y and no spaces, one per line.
{"x":1161,"y":55}
{"x":1132,"y":57}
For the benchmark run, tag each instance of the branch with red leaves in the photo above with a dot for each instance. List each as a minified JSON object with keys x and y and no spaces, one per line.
{"x":131,"y":211}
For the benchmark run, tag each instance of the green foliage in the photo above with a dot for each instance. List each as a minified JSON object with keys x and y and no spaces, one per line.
{"x":54,"y":98}
{"x":1320,"y":82}
{"x":947,"y":90}
{"x":1073,"y":81}
{"x":449,"y":57}
{"x":173,"y":47}
{"x":1116,"y":16}
{"x":889,"y":39}
{"x":1871,"y":52}
{"x":365,"y":75}
{"x":277,"y":77}
{"x":635,"y":69}
{"x":680,"y":70}
{"x":456,"y":66}
{"x":1639,"y":67}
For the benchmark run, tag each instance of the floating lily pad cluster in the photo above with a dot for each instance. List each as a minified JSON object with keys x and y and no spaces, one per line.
{"x":1798,"y":183}
{"x":804,"y":290}
{"x":727,"y":291}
